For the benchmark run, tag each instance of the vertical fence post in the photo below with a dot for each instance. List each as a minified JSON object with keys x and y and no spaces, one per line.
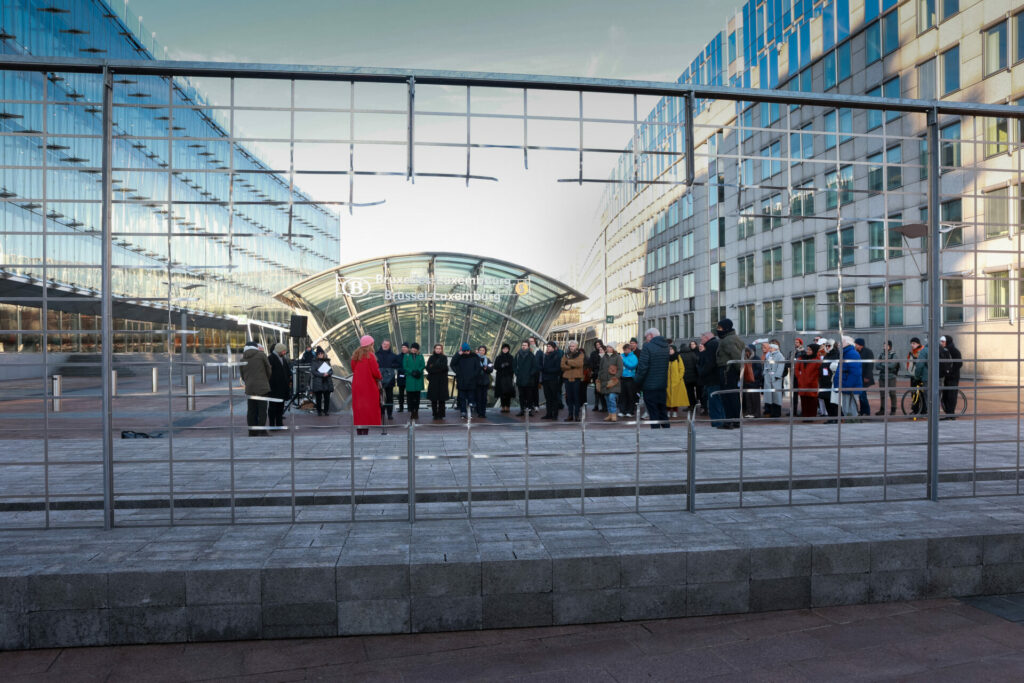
{"x":106,"y":300}
{"x":411,"y":446}
{"x":691,"y":464}
{"x":934,"y":310}
{"x":190,"y":392}
{"x":155,"y":382}
{"x":113,"y":382}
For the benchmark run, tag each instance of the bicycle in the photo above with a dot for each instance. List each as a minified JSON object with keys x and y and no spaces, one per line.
{"x":913,"y":402}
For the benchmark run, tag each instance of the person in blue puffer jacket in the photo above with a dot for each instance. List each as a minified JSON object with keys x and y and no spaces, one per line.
{"x":849,"y":381}
{"x":627,"y":396}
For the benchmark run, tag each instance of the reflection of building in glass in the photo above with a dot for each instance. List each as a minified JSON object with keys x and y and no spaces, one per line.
{"x":177,"y":214}
{"x":437,"y":298}
{"x":785,"y":196}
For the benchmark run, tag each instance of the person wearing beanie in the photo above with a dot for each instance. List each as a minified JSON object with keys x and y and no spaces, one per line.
{"x":255,"y":373}
{"x":505,"y":377}
{"x":466,"y":366}
{"x":551,"y":380}
{"x":365,"y":386}
{"x":280,"y":385}
{"x":321,"y":383}
{"x":651,"y":377}
{"x":730,"y":351}
{"x":774,"y":366}
{"x":888,"y":371}
{"x":950,"y":362}
{"x":413,"y":367}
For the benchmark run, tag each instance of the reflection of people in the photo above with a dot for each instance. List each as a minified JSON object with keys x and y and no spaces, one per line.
{"x":437,"y":378}
{"x":280,"y":385}
{"x":365,"y":386}
{"x":321,"y":383}
{"x":255,"y":375}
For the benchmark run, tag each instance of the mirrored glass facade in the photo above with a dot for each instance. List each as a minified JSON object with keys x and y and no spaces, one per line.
{"x":431,"y":298}
{"x":201,"y":225}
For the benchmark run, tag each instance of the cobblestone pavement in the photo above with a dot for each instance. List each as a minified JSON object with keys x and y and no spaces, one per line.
{"x":932,"y":640}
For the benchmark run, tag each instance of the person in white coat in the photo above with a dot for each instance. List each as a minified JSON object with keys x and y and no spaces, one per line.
{"x":774,"y":369}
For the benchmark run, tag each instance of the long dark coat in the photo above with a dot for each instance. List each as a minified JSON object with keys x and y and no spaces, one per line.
{"x":280,"y":376}
{"x":437,"y":377}
{"x":467,"y":370}
{"x":504,"y":375}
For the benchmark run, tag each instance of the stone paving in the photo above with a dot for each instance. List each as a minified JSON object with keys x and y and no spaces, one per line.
{"x":69,"y":587}
{"x":932,"y":640}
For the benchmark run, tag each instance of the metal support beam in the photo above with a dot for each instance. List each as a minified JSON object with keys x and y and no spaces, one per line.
{"x":410,"y":174}
{"x":690,"y":172}
{"x":107,"y":302}
{"x":934,"y":309}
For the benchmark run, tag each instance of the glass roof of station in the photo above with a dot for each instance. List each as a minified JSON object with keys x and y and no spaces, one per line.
{"x":445,"y":298}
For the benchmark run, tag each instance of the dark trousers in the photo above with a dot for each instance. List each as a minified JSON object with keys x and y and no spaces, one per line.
{"x":481,"y":401}
{"x":863,"y":407}
{"x":401,"y":399}
{"x":414,"y":403}
{"x":949,"y":396}
{"x":893,"y":402}
{"x":657,"y":411}
{"x":275,"y":413}
{"x":437,"y":408}
{"x":702,"y":396}
{"x":506,"y":401}
{"x":464,"y":400}
{"x":551,"y":398}
{"x":323,"y":402}
{"x":525,"y":397}
{"x":751,"y":400}
{"x":731,"y":399}
{"x":691,"y":394}
{"x":256,"y":416}
{"x":389,"y":403}
{"x":600,"y":403}
{"x":627,"y":396}
{"x":831,"y":409}
{"x":572,"y":398}
{"x":713,"y":401}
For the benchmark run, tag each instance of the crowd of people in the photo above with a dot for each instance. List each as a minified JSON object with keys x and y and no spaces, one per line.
{"x":719,"y":374}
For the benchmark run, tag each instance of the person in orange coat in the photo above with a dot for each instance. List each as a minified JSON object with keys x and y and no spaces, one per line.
{"x":365,"y":386}
{"x":807,"y":369}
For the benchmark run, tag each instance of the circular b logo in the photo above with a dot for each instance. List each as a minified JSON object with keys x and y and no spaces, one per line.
{"x":522,"y":287}
{"x":355,"y":288}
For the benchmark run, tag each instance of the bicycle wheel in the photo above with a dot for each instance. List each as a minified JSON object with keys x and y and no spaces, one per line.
{"x":961,"y":398}
{"x":907,"y":402}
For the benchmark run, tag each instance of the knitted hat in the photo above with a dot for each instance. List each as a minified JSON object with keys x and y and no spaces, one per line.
{"x":280,"y":348}
{"x":725,"y":324}
{"x":414,"y":345}
{"x":465,"y":346}
{"x":366,"y":340}
{"x":859,"y":341}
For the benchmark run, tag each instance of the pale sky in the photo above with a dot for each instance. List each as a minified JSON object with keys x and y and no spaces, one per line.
{"x":527,"y":217}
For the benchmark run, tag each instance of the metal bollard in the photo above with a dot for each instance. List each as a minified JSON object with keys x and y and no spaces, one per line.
{"x":57,"y":389}
{"x":156,"y":380}
{"x":219,"y":378}
{"x":113,"y":382}
{"x":190,"y":392}
{"x":202,"y":373}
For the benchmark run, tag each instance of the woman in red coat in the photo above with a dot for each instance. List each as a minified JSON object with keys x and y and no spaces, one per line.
{"x":807,"y":369}
{"x":365,"y":386}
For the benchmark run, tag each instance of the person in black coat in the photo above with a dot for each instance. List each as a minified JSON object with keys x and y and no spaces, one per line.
{"x":526,"y":373}
{"x":950,"y":363}
{"x":466,"y":366}
{"x":551,"y":379}
{"x":652,"y":377}
{"x":594,"y":361}
{"x":280,"y":385}
{"x":400,"y":377}
{"x":505,"y":377}
{"x":867,"y":357}
{"x":825,"y":379}
{"x":389,"y":363}
{"x":688,"y":355}
{"x":437,"y":381}
{"x":708,"y":376}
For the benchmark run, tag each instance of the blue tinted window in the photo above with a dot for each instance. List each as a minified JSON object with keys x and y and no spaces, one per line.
{"x":843,"y":58}
{"x":891,"y":89}
{"x":842,"y":19}
{"x":873,"y":43}
{"x":805,"y":44}
{"x":870,"y":9}
{"x":891,"y":25}
{"x":732,"y":46}
{"x":874,"y":116}
{"x":951,"y":70}
{"x":830,"y":70}
{"x":949,"y":8}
